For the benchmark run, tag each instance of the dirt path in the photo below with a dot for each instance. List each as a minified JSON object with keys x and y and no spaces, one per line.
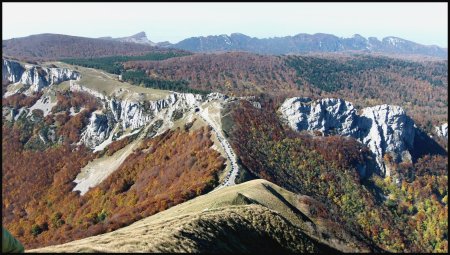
{"x":105,"y":74}
{"x":231,"y":176}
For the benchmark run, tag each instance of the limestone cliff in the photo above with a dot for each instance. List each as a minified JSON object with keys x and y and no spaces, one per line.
{"x":383,"y":128}
{"x":35,"y":77}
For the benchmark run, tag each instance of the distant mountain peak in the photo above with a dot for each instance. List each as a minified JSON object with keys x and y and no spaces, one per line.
{"x":358,"y":36}
{"x":238,"y":34}
{"x":140,"y":38}
{"x":139,"y":35}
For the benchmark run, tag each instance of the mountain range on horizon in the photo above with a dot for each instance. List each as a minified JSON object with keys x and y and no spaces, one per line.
{"x":307,"y":43}
{"x":298,"y":44}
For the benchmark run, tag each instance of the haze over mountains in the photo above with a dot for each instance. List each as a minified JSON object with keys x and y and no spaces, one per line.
{"x":298,"y":44}
{"x":57,"y":46}
{"x":305,"y":43}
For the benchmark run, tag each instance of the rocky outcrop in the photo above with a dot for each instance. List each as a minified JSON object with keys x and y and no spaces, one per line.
{"x":132,"y":114}
{"x":36,"y":77}
{"x":328,"y":115}
{"x":383,"y":128}
{"x":390,"y":130}
{"x":216,"y":96}
{"x":11,"y":71}
{"x":98,"y":130}
{"x":442,"y":130}
{"x":135,"y":114}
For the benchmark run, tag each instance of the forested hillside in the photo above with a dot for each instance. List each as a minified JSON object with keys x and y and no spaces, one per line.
{"x":56,"y":46}
{"x":231,"y":73}
{"x":409,"y":214}
{"x":420,"y":87}
{"x":39,"y":206}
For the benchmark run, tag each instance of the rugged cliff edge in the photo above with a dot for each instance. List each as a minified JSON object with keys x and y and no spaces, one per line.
{"x":34,"y":77}
{"x":383,"y":128}
{"x":119,"y":115}
{"x":132,"y":114}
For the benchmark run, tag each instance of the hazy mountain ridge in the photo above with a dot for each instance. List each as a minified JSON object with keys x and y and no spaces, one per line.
{"x":307,"y":43}
{"x":58,"y":46}
{"x":48,"y":46}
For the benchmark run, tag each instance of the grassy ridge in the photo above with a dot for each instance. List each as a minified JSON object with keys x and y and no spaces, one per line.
{"x":139,"y":77}
{"x":256,"y":216}
{"x":114,"y":65}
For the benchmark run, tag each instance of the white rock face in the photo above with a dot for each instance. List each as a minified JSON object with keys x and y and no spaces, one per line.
{"x":383,"y":128}
{"x":36,"y":77}
{"x":131,"y":114}
{"x":323,"y":115}
{"x":97,"y":130}
{"x":442,"y":130}
{"x":136,"y":114}
{"x":216,"y":96}
{"x":390,"y":130}
{"x":11,"y":71}
{"x":44,"y":103}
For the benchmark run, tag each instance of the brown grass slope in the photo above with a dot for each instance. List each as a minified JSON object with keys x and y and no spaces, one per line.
{"x":251,"y":217}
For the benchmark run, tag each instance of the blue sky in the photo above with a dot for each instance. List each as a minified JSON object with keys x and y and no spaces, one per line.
{"x":425,"y":23}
